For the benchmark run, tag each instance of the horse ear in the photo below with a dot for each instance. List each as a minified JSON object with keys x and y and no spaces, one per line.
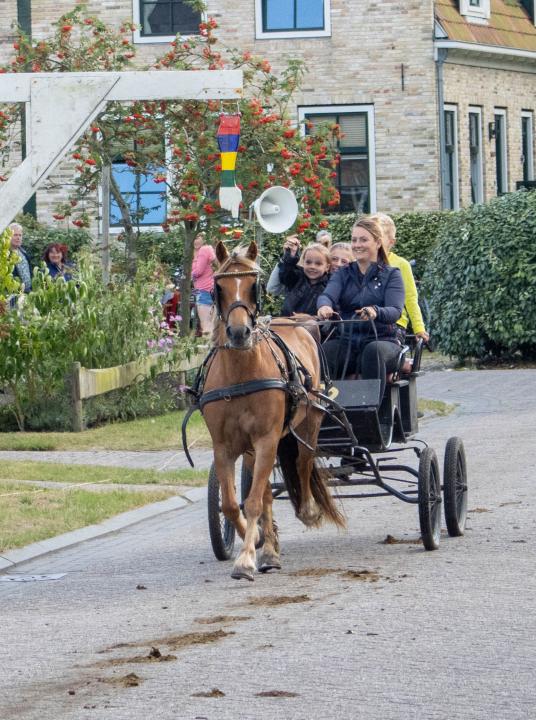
{"x":221,"y":252}
{"x":252,"y":250}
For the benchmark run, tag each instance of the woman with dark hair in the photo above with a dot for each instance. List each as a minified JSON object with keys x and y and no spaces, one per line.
{"x":55,"y":258}
{"x":367,"y":289}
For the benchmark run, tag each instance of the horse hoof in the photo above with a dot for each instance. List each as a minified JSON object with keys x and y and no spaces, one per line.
{"x":260,"y":541}
{"x":269,"y":563}
{"x":242,"y":574}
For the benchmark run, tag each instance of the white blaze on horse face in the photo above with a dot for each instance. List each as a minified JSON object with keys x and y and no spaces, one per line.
{"x":237,"y":281}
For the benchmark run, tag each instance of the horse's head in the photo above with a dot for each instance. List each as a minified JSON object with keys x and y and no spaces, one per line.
{"x":237,"y":293}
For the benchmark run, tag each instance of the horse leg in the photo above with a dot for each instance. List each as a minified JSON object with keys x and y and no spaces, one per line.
{"x":245,"y":564}
{"x":310,"y":513}
{"x":225,"y":472}
{"x":269,"y":559}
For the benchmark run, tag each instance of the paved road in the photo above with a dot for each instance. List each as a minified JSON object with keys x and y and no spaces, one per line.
{"x":441,"y":636}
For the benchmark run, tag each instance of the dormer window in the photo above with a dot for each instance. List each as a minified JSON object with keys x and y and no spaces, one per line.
{"x":475,"y":11}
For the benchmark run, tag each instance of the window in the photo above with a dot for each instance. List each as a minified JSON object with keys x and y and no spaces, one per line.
{"x":145,"y":197}
{"x":527,"y":145}
{"x":356,"y":179}
{"x":292,"y":18}
{"x":475,"y":11}
{"x":161,"y":20}
{"x":501,"y":152}
{"x":452,"y":197}
{"x":475,"y":155}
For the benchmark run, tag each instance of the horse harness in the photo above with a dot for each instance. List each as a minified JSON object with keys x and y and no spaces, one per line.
{"x":292,"y":371}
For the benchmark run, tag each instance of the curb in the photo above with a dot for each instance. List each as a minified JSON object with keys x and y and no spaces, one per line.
{"x":118,"y":522}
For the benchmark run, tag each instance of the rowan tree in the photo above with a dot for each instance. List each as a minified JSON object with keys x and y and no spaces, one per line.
{"x":175,"y":141}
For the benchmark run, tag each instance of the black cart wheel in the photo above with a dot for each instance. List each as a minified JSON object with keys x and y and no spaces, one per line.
{"x":222,"y":532}
{"x":455,"y":487}
{"x":246,"y":479}
{"x":429,"y":492}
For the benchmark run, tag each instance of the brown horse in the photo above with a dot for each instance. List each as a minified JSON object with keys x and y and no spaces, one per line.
{"x":256,"y":425}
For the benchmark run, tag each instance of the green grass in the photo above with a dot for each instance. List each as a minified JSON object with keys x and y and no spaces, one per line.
{"x":30,"y":514}
{"x":158,"y":433}
{"x":72,"y":474}
{"x":435,"y":407}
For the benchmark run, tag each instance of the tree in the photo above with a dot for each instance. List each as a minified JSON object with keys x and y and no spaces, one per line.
{"x":175,"y":141}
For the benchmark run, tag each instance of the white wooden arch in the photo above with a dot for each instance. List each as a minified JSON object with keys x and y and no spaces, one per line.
{"x":61,"y":106}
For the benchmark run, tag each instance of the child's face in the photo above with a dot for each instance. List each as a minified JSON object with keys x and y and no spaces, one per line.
{"x":314,"y":265}
{"x":339,"y":258}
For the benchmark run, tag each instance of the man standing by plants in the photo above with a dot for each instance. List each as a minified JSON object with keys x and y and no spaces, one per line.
{"x":23,"y":269}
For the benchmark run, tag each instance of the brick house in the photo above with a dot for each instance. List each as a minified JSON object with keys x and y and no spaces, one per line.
{"x":382,"y":70}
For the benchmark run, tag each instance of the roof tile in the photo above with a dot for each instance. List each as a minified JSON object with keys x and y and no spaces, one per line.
{"x":509,"y":25}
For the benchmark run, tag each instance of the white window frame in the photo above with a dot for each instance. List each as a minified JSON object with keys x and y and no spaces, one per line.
{"x":474,"y":110}
{"x":456,"y":163}
{"x":139,"y":39}
{"x":289,"y":34}
{"x":473,"y":13}
{"x":530,"y":115}
{"x":506,"y":179}
{"x":305,"y":110}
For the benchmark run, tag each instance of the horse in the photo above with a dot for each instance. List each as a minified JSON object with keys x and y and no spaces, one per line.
{"x":253,"y":409}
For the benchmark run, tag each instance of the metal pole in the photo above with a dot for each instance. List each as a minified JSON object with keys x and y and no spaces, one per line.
{"x":105,"y":225}
{"x":441,"y":57}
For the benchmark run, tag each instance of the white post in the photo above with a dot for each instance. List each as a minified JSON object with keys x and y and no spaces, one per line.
{"x":105,"y":225}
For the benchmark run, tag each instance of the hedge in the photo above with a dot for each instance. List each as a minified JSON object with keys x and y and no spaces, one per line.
{"x":481,"y":280}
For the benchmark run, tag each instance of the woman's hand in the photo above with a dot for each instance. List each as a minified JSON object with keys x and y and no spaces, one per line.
{"x":367,"y":313}
{"x":325,"y":312}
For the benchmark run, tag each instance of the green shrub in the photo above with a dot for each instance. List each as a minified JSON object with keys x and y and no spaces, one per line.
{"x":481,"y":279}
{"x":60,"y":322}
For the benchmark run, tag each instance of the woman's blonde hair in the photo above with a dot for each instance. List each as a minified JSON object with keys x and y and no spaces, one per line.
{"x":388,"y":225}
{"x":372,"y":224}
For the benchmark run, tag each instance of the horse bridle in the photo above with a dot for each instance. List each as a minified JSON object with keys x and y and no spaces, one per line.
{"x":257,"y":295}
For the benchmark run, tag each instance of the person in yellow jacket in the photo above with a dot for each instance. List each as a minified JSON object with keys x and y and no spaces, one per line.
{"x":412,"y":311}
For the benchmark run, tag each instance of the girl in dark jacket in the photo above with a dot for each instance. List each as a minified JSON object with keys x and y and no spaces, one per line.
{"x":367,"y":289}
{"x":304,"y":278}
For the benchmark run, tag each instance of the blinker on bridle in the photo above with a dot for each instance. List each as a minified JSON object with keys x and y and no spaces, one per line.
{"x":238,"y":303}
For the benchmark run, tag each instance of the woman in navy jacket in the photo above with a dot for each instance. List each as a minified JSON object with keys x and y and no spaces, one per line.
{"x":367,"y":289}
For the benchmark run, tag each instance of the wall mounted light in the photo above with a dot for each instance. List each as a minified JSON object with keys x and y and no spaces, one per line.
{"x":492,"y":132}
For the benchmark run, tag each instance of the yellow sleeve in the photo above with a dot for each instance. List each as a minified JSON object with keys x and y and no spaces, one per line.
{"x":411,"y":307}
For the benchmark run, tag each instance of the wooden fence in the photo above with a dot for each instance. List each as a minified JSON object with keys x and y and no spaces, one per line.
{"x":86,"y":383}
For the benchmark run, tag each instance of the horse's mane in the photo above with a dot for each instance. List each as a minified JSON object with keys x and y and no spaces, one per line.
{"x":238,"y":255}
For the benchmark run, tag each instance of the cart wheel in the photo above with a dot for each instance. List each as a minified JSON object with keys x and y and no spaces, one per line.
{"x":429,"y":492}
{"x":455,"y":487}
{"x":222,"y":532}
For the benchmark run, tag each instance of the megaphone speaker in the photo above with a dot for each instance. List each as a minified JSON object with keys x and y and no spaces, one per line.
{"x":276,"y":209}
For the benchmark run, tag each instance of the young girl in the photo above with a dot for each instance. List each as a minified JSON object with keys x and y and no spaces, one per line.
{"x":304,"y":283}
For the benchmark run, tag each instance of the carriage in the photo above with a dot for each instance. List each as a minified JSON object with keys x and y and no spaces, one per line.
{"x":361,"y":440}
{"x":261,"y":393}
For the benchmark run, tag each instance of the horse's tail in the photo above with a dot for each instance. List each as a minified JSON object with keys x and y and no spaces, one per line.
{"x":287,"y":452}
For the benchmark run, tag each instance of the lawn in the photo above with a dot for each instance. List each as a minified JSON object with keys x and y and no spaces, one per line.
{"x":17,"y":470}
{"x":157,"y":433}
{"x":31,"y":513}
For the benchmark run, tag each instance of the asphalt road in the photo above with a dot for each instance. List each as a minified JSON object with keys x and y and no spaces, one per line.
{"x":430,"y":635}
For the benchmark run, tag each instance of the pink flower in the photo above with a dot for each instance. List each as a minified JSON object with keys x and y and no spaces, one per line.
{"x":151,"y":344}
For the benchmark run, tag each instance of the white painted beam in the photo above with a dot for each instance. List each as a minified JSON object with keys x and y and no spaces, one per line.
{"x":61,"y":106}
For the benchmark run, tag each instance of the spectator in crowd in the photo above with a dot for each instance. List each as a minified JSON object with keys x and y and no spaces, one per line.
{"x":55,"y":258}
{"x":23,"y":269}
{"x":411,"y":312}
{"x":324,"y":238}
{"x":303,"y":282}
{"x":203,"y":279}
